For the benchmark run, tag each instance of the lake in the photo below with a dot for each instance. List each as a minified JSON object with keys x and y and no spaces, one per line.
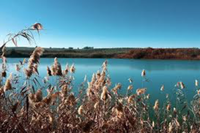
{"x":158,"y":73}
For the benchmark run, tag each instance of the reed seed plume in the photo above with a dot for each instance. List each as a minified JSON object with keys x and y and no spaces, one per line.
{"x":37,"y":26}
{"x":168,"y":108}
{"x":196,"y":83}
{"x":116,"y":88}
{"x":143,"y":74}
{"x":198,"y":92}
{"x":148,"y":96}
{"x":105,"y":63}
{"x":182,"y":85}
{"x":38,"y":96}
{"x":8,"y":85}
{"x":96,"y":105}
{"x":49,"y":71}
{"x":66,"y":70}
{"x":35,"y":56}
{"x":162,"y":88}
{"x":56,"y":68}
{"x":156,"y":105}
{"x":131,"y":98}
{"x":34,"y":61}
{"x":17,"y":67}
{"x":104,"y":94}
{"x":174,"y":111}
{"x":130,"y":87}
{"x":72,"y":68}
{"x":80,"y":110}
{"x":141,"y":91}
{"x":64,"y":89}
{"x":130,"y":80}
{"x":108,"y":81}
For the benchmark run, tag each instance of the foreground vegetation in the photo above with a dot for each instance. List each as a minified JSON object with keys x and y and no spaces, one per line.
{"x":53,"y":107}
{"x":31,"y":103}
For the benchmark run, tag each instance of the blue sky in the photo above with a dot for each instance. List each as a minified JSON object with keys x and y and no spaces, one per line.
{"x":105,"y":23}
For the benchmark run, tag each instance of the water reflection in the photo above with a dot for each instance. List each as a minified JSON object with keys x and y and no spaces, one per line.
{"x":150,"y":65}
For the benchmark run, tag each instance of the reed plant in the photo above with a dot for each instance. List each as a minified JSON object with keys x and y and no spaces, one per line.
{"x":31,"y":103}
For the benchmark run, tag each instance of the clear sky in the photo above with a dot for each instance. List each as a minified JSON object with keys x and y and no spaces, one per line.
{"x":105,"y":23}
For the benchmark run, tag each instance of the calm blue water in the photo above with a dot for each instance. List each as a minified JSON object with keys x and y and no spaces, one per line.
{"x":159,"y":72}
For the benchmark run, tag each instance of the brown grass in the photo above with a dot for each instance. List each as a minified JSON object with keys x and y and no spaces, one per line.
{"x":97,"y":107}
{"x":53,"y":107}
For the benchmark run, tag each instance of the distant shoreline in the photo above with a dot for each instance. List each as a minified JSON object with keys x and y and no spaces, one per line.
{"x":121,"y":53}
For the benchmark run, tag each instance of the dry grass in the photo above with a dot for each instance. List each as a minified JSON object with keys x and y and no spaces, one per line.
{"x":53,"y":107}
{"x":97,"y":107}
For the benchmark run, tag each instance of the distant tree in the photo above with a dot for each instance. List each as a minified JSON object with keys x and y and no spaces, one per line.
{"x":70,"y":48}
{"x":88,"y":47}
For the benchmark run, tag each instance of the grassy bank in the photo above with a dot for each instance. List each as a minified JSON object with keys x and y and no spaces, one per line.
{"x":130,"y":53}
{"x":67,"y":53}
